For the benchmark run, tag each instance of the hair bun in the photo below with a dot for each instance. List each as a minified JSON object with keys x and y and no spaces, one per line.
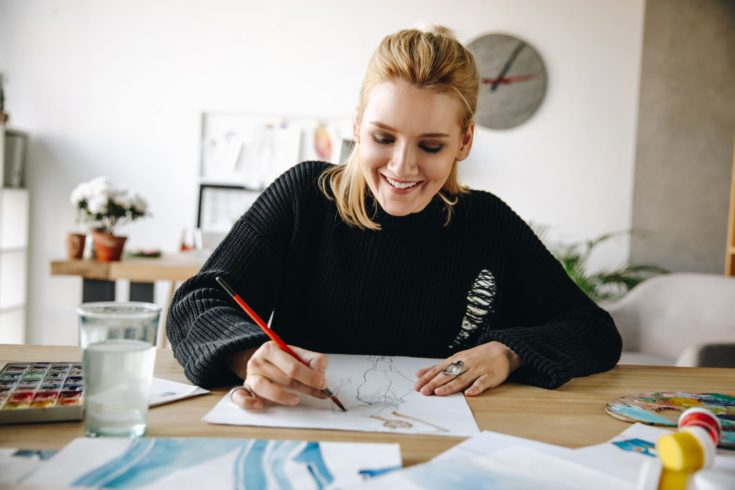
{"x":437,"y":30}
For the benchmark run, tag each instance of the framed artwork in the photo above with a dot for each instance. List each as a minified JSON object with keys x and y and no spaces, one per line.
{"x":251,"y":151}
{"x":242,"y":154}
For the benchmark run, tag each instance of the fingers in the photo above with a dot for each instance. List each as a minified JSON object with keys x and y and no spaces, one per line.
{"x":432,"y":378}
{"x":486,"y":366}
{"x":290,"y":368}
{"x":483,"y":383}
{"x":245,"y":398}
{"x":316,"y":361}
{"x":443,"y":384}
{"x":274,"y":375}
{"x":422,"y":371}
{"x":267,"y":389}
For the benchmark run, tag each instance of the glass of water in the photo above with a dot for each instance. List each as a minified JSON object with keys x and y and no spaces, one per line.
{"x":117,"y":341}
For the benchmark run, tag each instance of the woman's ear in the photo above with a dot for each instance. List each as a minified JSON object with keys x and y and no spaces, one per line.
{"x":466,"y":144}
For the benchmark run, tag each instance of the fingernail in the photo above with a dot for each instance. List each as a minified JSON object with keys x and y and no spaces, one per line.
{"x":257,"y":404}
{"x":294,"y":400}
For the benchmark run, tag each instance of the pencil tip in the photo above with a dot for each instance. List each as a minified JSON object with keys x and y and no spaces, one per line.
{"x":338,"y":403}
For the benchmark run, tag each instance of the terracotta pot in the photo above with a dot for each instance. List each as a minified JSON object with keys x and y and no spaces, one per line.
{"x":108,"y":247}
{"x":75,"y":245}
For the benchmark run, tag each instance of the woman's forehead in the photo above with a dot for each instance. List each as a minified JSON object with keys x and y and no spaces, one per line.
{"x":409,"y":109}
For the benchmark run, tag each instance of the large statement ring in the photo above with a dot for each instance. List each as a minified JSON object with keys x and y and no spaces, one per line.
{"x":454,"y":369}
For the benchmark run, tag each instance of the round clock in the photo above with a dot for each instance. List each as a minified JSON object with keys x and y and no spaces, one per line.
{"x":512,"y":80}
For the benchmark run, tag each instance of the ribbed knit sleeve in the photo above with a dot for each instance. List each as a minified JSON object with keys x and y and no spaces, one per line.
{"x":204,"y":324}
{"x":559,"y":332}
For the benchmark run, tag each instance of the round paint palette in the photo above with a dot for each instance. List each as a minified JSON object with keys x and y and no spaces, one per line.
{"x":664,"y":408}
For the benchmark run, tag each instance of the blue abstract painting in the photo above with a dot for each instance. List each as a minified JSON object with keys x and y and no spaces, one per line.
{"x":239,"y":464}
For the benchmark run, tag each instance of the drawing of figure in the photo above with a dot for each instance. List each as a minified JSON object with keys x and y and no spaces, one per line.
{"x":383,"y":386}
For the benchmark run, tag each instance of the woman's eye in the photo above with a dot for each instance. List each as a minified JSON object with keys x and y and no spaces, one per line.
{"x":431,"y":148}
{"x":382,"y":139}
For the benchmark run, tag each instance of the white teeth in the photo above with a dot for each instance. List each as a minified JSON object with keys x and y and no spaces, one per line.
{"x":400,"y":185}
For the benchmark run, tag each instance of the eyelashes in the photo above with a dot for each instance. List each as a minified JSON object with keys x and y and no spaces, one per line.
{"x":384,"y":139}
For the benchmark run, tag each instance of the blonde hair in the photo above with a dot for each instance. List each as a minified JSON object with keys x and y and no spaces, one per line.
{"x":432,"y":60}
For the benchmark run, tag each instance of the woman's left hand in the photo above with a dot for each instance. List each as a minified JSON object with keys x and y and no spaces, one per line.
{"x":485,"y":366}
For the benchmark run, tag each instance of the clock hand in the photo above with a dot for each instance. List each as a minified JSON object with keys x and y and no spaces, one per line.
{"x":508,"y":64}
{"x":508,"y":80}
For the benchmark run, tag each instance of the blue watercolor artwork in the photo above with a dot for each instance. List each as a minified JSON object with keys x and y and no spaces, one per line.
{"x":239,"y":464}
{"x":637,"y":446}
{"x":147,"y":460}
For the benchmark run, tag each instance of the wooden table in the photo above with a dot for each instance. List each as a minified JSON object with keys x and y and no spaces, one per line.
{"x":572,"y":416}
{"x":98,"y":278}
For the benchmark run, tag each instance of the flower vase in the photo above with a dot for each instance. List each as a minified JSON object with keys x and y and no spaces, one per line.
{"x":108,"y":247}
{"x":75,"y":245}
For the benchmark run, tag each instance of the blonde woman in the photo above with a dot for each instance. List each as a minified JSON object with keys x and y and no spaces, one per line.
{"x":389,"y":254}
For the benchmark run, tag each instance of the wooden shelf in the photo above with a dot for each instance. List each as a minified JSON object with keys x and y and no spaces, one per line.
{"x":171,"y":267}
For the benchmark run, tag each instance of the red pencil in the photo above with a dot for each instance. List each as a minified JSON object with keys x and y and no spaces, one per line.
{"x":273,"y":336}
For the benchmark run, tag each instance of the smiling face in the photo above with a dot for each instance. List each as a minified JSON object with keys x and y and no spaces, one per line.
{"x":409,"y":139}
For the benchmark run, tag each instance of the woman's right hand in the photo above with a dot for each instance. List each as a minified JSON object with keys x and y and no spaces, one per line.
{"x":271,"y":374}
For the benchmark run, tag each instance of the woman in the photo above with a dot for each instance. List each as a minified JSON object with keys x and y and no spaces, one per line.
{"x":389,"y":254}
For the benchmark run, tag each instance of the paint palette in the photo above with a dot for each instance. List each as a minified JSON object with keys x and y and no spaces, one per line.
{"x":41,"y":392}
{"x":664,"y":408}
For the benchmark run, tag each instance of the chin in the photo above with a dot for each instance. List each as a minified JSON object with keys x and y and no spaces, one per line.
{"x":399,"y":208}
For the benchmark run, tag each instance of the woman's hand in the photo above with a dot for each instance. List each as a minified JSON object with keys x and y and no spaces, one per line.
{"x":271,"y":374}
{"x":485,"y":366}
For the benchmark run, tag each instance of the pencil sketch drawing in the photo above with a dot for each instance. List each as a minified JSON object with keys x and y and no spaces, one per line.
{"x":381,"y":390}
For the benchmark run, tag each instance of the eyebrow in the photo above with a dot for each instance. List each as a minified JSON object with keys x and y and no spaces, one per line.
{"x":424,"y":135}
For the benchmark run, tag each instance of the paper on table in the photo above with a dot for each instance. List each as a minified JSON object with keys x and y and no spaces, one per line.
{"x":378,"y":392}
{"x":180,"y":463}
{"x":626,"y":453}
{"x":165,"y":391}
{"x":488,"y":442}
{"x":17,"y":464}
{"x":519,"y":467}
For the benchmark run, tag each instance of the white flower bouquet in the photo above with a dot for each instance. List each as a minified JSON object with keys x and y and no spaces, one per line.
{"x":103,"y":206}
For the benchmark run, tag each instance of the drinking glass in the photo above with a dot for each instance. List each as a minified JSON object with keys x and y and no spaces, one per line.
{"x":118,"y":353}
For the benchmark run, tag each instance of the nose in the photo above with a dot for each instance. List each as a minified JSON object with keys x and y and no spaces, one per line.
{"x":403,"y":161}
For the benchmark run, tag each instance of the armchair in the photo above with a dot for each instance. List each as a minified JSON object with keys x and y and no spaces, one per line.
{"x":683,"y":319}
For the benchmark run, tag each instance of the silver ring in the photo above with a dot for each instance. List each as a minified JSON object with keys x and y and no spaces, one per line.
{"x":244,"y":387}
{"x":454,"y":369}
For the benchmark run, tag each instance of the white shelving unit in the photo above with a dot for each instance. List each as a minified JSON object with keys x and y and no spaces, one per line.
{"x":14,"y":216}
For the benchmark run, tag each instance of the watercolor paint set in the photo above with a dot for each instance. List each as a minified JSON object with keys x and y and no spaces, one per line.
{"x":41,"y":392}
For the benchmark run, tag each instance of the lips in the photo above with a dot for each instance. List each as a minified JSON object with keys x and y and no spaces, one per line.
{"x":398,"y":184}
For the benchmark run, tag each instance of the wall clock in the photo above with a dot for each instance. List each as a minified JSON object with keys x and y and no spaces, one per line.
{"x":512,"y":80}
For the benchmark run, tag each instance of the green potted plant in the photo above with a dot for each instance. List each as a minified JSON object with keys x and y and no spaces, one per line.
{"x":603,"y":285}
{"x":103,"y":207}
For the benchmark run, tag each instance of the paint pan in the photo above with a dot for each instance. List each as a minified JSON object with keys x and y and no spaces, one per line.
{"x":41,"y":392}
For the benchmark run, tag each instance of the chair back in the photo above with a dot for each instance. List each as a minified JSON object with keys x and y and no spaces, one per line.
{"x":668,"y":313}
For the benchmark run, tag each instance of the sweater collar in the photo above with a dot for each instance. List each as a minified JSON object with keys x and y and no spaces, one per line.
{"x":432,"y":216}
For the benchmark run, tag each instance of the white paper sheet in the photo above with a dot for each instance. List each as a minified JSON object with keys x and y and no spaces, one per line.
{"x":488,"y":442}
{"x":165,"y":391}
{"x":625,"y":454}
{"x":518,"y":467}
{"x":17,"y":464}
{"x":378,"y":392}
{"x":196,"y":463}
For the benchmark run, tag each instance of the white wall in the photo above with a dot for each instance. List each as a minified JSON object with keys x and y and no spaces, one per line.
{"x":116,"y":88}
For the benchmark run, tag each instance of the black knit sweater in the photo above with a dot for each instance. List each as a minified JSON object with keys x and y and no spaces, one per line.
{"x":414,"y":288}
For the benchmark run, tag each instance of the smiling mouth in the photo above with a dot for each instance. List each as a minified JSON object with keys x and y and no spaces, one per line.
{"x":401,"y":185}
